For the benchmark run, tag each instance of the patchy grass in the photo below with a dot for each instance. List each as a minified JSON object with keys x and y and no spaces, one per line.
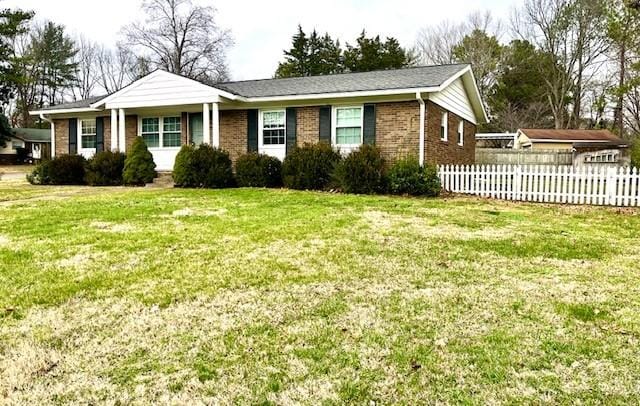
{"x":122,"y":295}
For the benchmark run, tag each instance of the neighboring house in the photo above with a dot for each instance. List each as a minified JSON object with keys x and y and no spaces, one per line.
{"x":37,"y":142}
{"x":587,"y":146}
{"x":427,"y":112}
{"x":496,"y":140}
{"x":30,"y":144}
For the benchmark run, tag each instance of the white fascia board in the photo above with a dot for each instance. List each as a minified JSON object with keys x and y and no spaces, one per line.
{"x":164,"y":103}
{"x":64,"y":111}
{"x":366,"y":93}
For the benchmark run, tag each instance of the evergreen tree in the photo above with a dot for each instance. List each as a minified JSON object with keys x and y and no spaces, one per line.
{"x":12,"y":24}
{"x":372,"y":54}
{"x":321,"y":55}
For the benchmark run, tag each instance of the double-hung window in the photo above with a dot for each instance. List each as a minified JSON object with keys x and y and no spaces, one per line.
{"x":348,"y":127}
{"x":461,"y":133}
{"x":165,"y":132}
{"x":273,"y":127}
{"x":88,"y":134}
{"x":171,"y":131}
{"x":444,"y":127}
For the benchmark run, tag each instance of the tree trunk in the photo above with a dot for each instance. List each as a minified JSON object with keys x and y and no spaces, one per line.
{"x":619,"y":116}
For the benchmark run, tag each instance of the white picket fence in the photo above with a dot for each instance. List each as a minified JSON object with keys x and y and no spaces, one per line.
{"x":552,"y":184}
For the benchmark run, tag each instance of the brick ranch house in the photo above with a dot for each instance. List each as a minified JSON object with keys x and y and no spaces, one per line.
{"x":428,"y":112}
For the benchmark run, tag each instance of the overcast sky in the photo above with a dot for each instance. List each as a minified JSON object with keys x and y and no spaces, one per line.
{"x":262,"y":29}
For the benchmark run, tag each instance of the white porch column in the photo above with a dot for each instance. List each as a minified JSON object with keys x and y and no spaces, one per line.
{"x":114,"y":130}
{"x":121,"y":131}
{"x":215,"y":125}
{"x":53,"y":140}
{"x":206,"y":134}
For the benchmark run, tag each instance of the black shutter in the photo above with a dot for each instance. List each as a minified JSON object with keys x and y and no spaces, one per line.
{"x":252,"y":130}
{"x":73,"y":135}
{"x":369,"y":130}
{"x":291,"y":129}
{"x":99,"y":134}
{"x":325,"y":124}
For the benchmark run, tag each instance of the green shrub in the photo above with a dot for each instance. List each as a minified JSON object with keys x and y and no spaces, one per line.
{"x":362,"y":171}
{"x":61,"y":170}
{"x":309,"y":167}
{"x":635,"y":154}
{"x":203,"y":166}
{"x":258,"y":170}
{"x":105,"y":169}
{"x":406,"y":177}
{"x":139,"y":168}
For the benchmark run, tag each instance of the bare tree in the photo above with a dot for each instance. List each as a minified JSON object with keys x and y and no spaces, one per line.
{"x":181,"y":38}
{"x":116,"y":68}
{"x":570,"y":33}
{"x":435,"y":43}
{"x":86,"y":70}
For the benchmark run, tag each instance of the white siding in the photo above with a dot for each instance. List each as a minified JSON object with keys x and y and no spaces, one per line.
{"x":164,"y":89}
{"x":455,"y":99}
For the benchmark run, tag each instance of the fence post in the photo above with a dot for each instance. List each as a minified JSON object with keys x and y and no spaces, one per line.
{"x":610,"y":186}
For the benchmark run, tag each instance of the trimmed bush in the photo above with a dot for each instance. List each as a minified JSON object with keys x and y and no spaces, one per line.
{"x":406,"y":177}
{"x":362,"y":171}
{"x":139,"y":168}
{"x":258,"y":170}
{"x":203,"y":166}
{"x":309,"y":167}
{"x":61,"y":170}
{"x":105,"y":169}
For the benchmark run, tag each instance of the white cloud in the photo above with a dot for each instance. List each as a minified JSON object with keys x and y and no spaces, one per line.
{"x":262,"y":29}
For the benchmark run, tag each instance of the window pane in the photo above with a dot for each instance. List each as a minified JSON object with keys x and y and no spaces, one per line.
{"x":348,"y":117}
{"x":171,"y":124}
{"x":273,"y":119}
{"x":348,"y":135}
{"x":171,"y":139}
{"x":88,"y":141}
{"x":152,"y":139}
{"x":150,"y":125}
{"x":273,"y":137}
{"x":88,"y":127}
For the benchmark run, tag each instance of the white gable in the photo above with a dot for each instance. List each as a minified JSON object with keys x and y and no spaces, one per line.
{"x":455,"y":99}
{"x":162,"y":88}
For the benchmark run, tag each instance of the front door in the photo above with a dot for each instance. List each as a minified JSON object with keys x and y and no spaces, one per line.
{"x":271,"y":138}
{"x":195,"y":128}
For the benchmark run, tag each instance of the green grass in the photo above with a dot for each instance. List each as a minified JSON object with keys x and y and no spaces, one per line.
{"x":115,"y":295}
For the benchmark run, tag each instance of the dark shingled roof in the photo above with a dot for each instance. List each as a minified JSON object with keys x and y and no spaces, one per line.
{"x":76,"y":104}
{"x":33,"y":134}
{"x":408,"y":78}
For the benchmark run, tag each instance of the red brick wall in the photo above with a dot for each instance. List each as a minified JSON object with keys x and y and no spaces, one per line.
{"x":397,"y":132}
{"x":398,"y":129}
{"x":447,"y":152}
{"x":233,"y":132}
{"x":308,"y":125}
{"x":62,"y":136}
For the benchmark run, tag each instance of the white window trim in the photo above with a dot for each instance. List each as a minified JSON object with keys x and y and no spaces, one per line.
{"x":346,"y":148}
{"x":261,"y":144}
{"x":461,"y":133}
{"x":87,"y":152}
{"x":444,"y":123}
{"x":161,"y":131}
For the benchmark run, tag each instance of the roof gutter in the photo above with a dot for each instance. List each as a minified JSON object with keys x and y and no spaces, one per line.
{"x":423,"y":110}
{"x":53,"y":134}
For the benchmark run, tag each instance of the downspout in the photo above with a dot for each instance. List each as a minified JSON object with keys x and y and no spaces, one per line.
{"x":422,"y":120}
{"x":53,"y":134}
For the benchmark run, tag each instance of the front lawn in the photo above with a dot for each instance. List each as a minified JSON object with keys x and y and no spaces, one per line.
{"x":273,"y":296}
